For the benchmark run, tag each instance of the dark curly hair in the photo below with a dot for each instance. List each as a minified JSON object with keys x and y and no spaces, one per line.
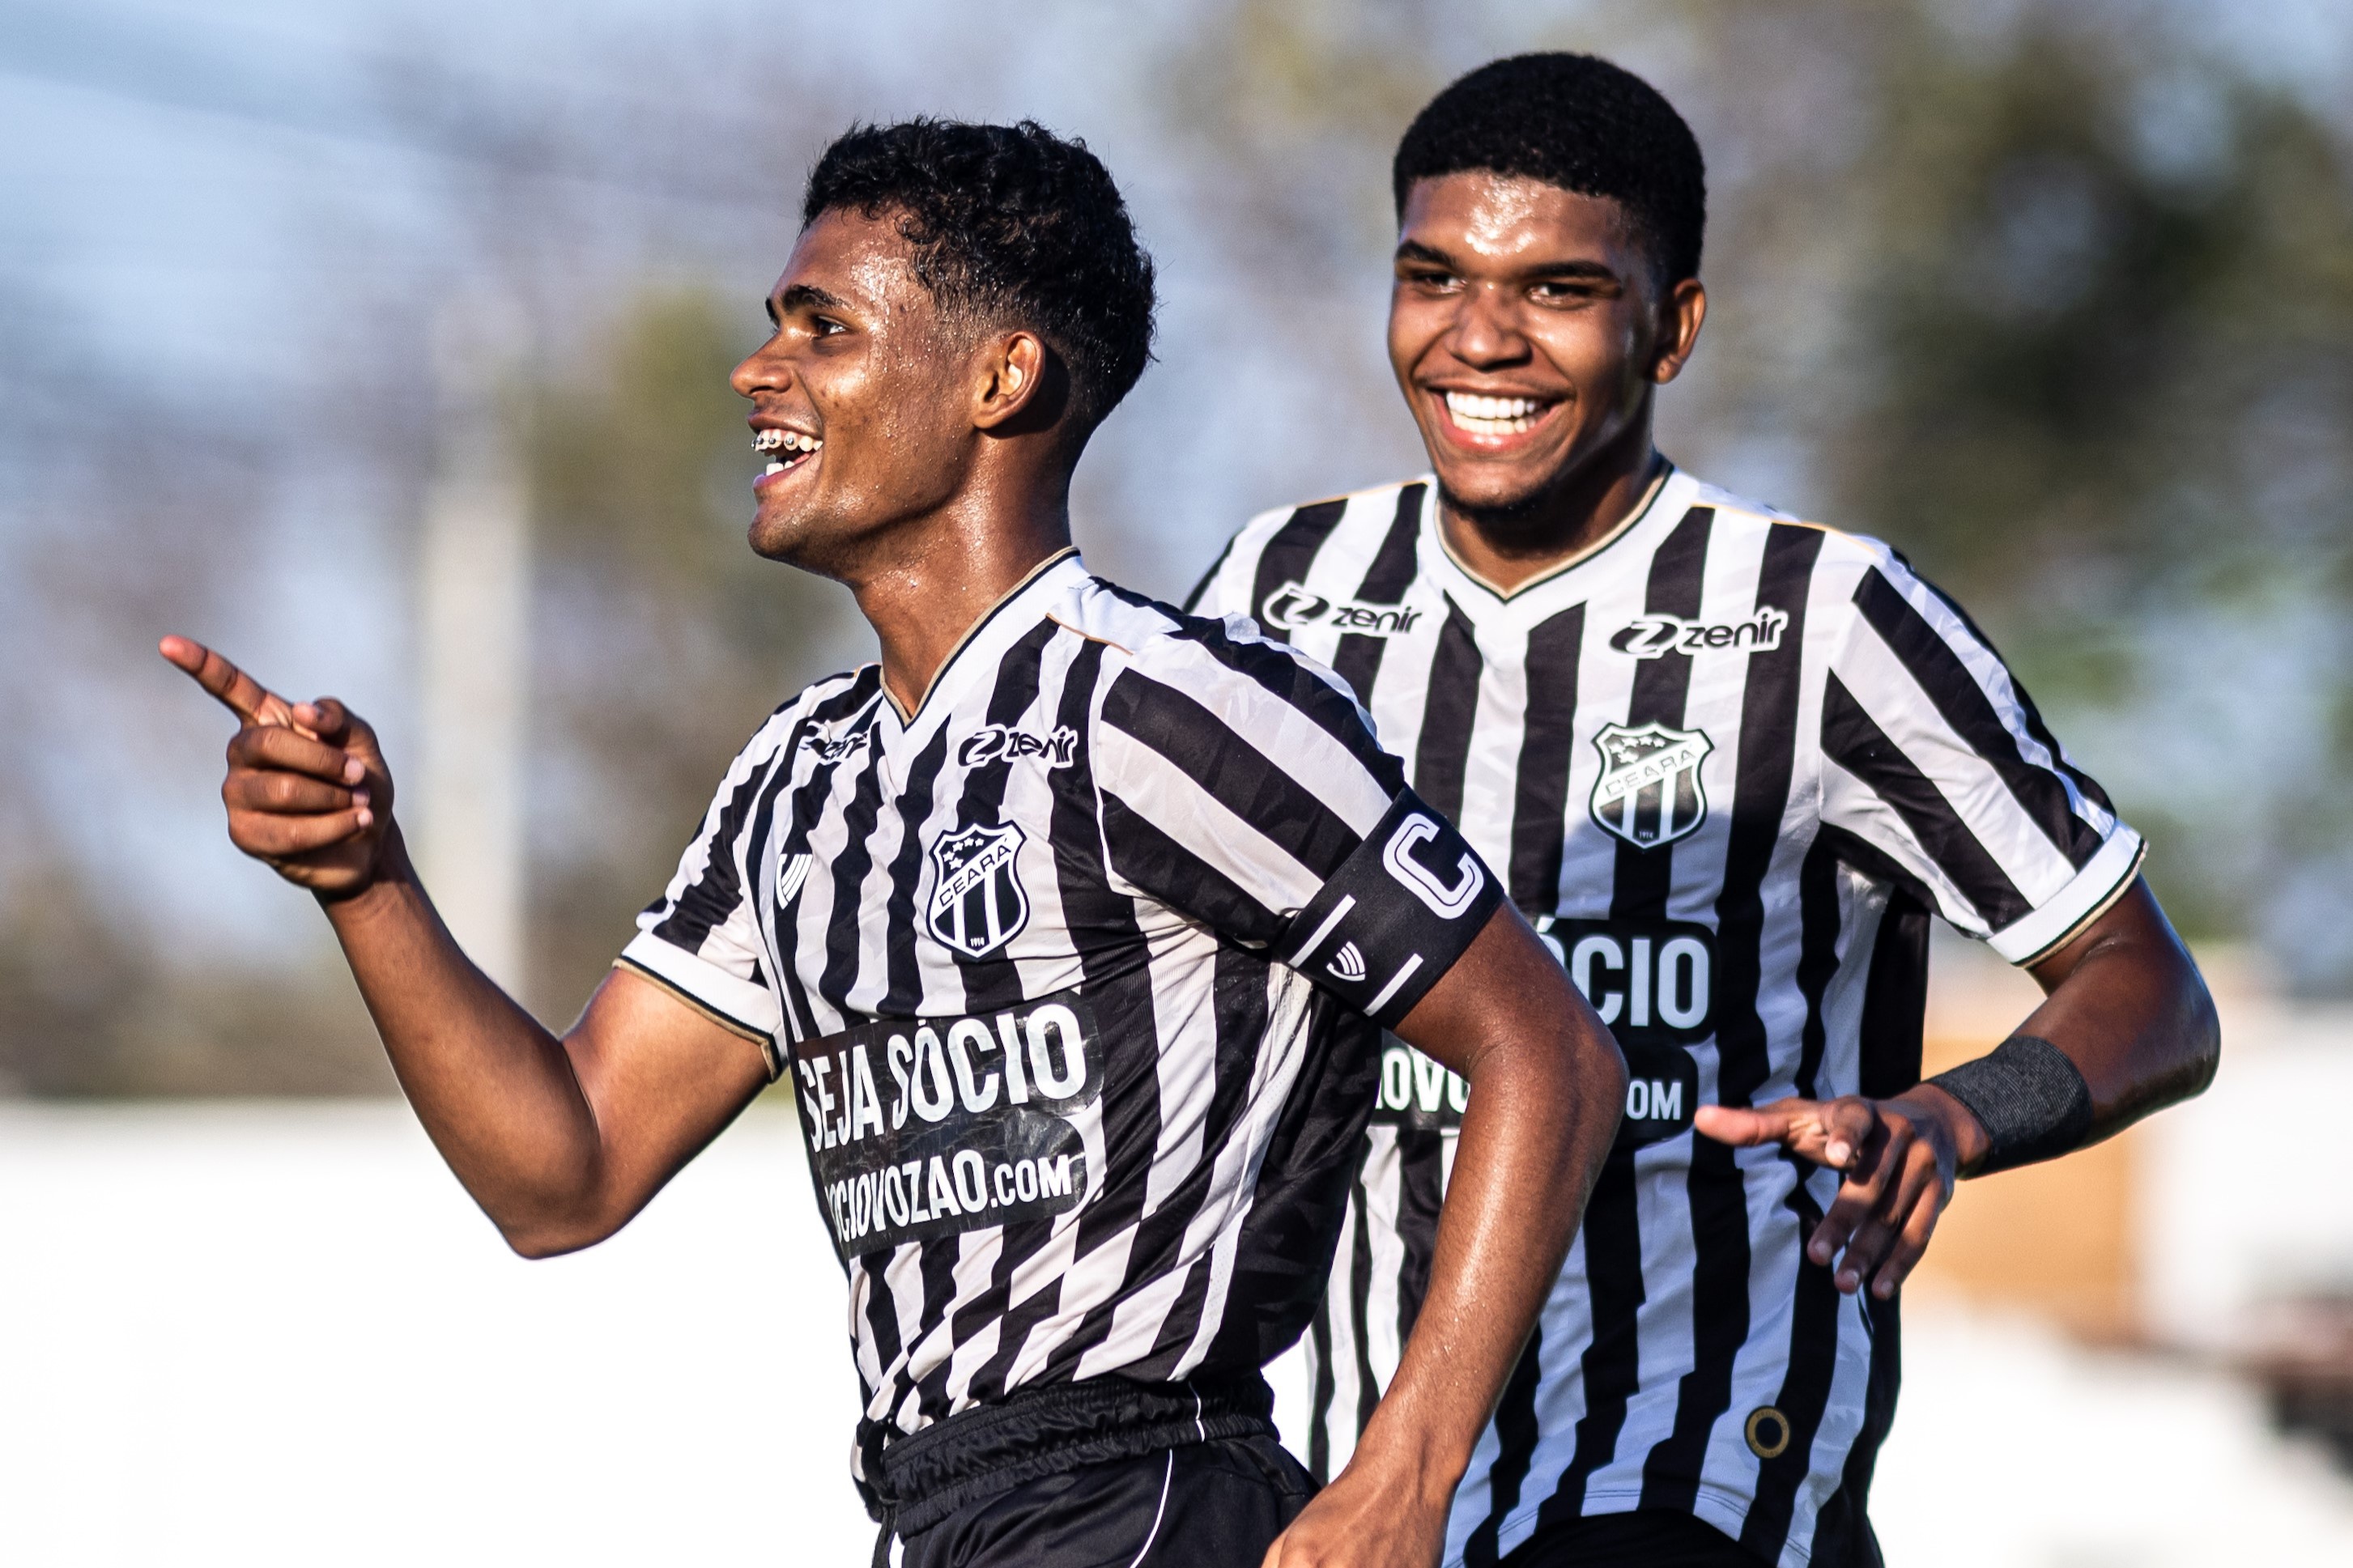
{"x":1577,"y":122}
{"x":1010,"y":224}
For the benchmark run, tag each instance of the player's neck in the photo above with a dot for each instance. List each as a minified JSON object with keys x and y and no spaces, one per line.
{"x":1507,"y":548}
{"x":937,"y":579}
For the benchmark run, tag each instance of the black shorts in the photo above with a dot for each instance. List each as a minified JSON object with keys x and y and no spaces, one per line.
{"x":1222,"y":1501}
{"x":1656,"y":1538}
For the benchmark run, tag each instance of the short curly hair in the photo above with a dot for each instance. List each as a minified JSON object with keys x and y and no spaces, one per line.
{"x":1010,"y":224}
{"x":1577,"y":122}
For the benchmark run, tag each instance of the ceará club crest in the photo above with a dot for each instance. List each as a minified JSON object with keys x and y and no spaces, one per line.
{"x":1649,"y":791}
{"x":978,"y":904}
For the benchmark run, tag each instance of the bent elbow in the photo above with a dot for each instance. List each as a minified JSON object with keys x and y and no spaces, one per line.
{"x":538,"y":1239}
{"x":2183,"y":1067}
{"x":1604,"y":1081}
{"x":533,"y":1246}
{"x":2203,"y":1037}
{"x":2206,"y":1059}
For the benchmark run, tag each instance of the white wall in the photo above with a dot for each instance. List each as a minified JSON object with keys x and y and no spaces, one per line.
{"x":277,"y":1335}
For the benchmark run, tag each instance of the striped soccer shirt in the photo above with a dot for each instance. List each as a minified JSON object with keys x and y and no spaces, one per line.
{"x":1728,"y":762}
{"x":1072,"y":969}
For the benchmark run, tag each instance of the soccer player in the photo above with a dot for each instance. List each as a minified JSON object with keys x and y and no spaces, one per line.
{"x":1728,"y":762}
{"x":1067,"y":921}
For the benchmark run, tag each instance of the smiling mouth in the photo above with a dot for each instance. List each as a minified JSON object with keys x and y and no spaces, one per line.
{"x":1475,"y":414}
{"x":785,"y":449}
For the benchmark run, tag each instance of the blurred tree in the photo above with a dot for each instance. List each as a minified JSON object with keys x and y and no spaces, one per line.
{"x":87,"y":1010}
{"x":662,"y":640}
{"x":2109,"y":317}
{"x":97,"y":995}
{"x":2102,"y":355}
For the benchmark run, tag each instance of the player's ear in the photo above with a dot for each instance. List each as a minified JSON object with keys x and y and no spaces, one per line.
{"x":1021,"y":388}
{"x":1681,"y":310}
{"x":1012,"y":375}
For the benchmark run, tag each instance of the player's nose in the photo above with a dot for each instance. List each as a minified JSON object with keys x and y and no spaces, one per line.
{"x":765,"y":369}
{"x":1484,"y":335}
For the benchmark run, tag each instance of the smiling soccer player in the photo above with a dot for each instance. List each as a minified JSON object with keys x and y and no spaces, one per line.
{"x":1066,"y":920}
{"x":1728,"y":764}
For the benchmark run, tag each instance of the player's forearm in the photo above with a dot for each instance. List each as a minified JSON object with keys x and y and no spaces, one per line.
{"x":496,"y":1091}
{"x":1542,"y":1110}
{"x":2128,"y":1007}
{"x":2127,"y":1028}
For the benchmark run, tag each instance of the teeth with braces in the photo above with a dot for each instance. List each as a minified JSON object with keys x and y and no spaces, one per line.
{"x":1480,"y":416}
{"x":774,"y":441}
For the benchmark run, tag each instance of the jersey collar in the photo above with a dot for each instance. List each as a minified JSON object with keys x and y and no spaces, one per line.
{"x":977,"y":652}
{"x":1668,"y":497}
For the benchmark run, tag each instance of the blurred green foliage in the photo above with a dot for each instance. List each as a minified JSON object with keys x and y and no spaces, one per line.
{"x":661,"y":641}
{"x":2105,"y":306}
{"x":85,"y":1013}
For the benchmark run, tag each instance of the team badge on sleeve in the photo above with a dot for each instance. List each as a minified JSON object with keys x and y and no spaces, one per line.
{"x":1649,"y":792}
{"x":978,"y":904}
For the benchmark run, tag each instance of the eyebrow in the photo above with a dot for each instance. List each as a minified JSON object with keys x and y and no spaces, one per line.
{"x":1414,"y":250}
{"x":802,"y":297}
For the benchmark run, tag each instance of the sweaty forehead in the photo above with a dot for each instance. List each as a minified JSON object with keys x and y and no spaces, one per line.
{"x":1510,"y":219}
{"x":846,"y":260}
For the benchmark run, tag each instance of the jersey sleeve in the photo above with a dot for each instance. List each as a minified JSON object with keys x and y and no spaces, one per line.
{"x":1938,"y":759}
{"x":1242,"y":786}
{"x":702,"y":938}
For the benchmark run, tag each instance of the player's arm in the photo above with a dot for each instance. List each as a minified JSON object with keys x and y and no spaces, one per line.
{"x":1547,"y":1082}
{"x":1935,"y":764}
{"x":2127,"y":1028}
{"x":560,"y":1138}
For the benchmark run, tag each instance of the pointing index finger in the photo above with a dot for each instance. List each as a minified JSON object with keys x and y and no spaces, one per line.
{"x":239,"y":692}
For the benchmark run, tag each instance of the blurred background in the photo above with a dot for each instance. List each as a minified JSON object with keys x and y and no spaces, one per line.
{"x":383,"y":343}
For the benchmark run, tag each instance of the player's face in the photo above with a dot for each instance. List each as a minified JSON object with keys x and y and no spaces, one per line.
{"x":858,"y":400}
{"x":1525,"y":332}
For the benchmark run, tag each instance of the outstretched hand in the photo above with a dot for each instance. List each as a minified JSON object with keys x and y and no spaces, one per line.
{"x":308,"y":793}
{"x":1899,"y":1156}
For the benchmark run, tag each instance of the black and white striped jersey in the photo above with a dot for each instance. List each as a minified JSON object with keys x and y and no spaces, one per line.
{"x":1727,"y":762}
{"x":1072,"y":969}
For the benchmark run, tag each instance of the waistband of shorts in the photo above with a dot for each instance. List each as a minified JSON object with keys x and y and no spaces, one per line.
{"x":1032,"y":1433}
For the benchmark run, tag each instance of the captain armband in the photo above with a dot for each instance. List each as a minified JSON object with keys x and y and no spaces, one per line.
{"x":1395,"y":915}
{"x":2032,"y":1101}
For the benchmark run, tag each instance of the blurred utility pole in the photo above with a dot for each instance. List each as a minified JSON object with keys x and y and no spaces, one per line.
{"x":474,"y":601}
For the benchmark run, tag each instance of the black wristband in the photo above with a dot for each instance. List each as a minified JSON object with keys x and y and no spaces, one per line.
{"x":2033,"y":1103}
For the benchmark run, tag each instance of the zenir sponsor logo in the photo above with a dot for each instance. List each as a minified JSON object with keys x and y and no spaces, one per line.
{"x":1647,"y":637}
{"x":978,"y":904}
{"x":1649,"y":791}
{"x":1002,"y":741}
{"x":835,"y":750}
{"x":1291,"y":608}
